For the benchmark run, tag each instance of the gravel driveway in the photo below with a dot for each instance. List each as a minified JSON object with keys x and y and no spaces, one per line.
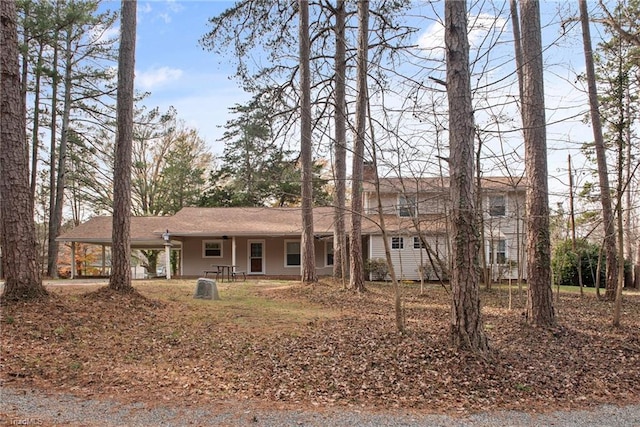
{"x":30,"y":407}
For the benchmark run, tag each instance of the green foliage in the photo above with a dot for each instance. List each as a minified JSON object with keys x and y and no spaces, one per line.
{"x":564,"y":263}
{"x":254,"y":170}
{"x":377,"y":268}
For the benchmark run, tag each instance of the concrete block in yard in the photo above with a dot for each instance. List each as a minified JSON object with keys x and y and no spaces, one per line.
{"x":206,"y":289}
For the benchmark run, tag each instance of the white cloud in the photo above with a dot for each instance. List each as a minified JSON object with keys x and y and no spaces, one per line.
{"x":432,"y":39}
{"x":146,"y":8}
{"x":150,"y":79}
{"x":165,"y":17}
{"x":174,"y":6}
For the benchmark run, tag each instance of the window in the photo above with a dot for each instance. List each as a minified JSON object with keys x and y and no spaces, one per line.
{"x":212,"y":249}
{"x":497,"y":206}
{"x":397,"y":243}
{"x":498,"y":252}
{"x":418,"y":243}
{"x":329,"y":252}
{"x":292,"y":253}
{"x":406,"y":205}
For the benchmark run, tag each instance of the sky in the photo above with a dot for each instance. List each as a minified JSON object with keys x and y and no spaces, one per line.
{"x":178,"y":72}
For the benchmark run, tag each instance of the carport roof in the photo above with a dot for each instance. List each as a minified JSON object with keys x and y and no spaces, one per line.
{"x":146,"y":231}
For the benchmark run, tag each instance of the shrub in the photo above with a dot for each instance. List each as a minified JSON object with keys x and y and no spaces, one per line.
{"x":377,"y":268}
{"x":564,"y":263}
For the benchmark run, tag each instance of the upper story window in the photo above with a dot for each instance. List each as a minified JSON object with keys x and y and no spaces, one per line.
{"x":397,"y":243}
{"x":497,"y":206}
{"x":406,"y":205}
{"x":212,"y":249}
{"x":418,"y":243}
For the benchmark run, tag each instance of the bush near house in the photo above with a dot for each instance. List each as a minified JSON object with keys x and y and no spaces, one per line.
{"x":377,"y":268}
{"x":564,"y":263}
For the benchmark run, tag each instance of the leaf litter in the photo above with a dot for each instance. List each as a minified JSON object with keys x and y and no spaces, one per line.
{"x":318,"y":346}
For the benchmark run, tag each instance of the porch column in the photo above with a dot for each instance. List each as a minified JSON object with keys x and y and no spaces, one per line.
{"x":73,"y":260}
{"x":104,"y":261}
{"x":167,"y":259}
{"x":233,"y":250}
{"x":167,"y":253}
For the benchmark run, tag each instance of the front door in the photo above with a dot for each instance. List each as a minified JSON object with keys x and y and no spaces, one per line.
{"x":256,"y":256}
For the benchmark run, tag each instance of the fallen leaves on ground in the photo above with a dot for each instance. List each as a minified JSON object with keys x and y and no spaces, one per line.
{"x":322,"y":346}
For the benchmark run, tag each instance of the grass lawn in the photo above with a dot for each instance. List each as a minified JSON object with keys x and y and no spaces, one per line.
{"x":279,"y":341}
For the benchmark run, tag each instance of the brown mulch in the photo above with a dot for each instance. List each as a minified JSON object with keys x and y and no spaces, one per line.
{"x":145,"y":348}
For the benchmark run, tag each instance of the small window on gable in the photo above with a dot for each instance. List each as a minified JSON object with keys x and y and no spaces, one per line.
{"x":397,"y":243}
{"x":406,"y":205}
{"x":212,"y":249}
{"x":497,"y":206}
{"x":292,"y":253}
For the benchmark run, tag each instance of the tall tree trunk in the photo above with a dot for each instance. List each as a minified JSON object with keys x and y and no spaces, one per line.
{"x":484,"y":271}
{"x":540,"y":310}
{"x":517,"y":42}
{"x":601,"y":157}
{"x":636,"y":269}
{"x":307,"y":244}
{"x":51,"y":268}
{"x":572,"y":218}
{"x":515,"y":23}
{"x":623,"y":121}
{"x":56,"y":212}
{"x":466,"y":319}
{"x":340,"y":161}
{"x":120,"y":279}
{"x":35,"y":141}
{"x":17,"y":229}
{"x":356,"y":264}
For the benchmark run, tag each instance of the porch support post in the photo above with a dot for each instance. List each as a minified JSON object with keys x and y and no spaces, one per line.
{"x":167,"y":259}
{"x":73,"y":260}
{"x":233,"y":250}
{"x":104,"y":261}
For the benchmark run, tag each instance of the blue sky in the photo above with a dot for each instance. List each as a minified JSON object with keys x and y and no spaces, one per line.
{"x":177,"y":71}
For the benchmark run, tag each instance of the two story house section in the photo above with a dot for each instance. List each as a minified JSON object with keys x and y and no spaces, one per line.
{"x":417,"y":214}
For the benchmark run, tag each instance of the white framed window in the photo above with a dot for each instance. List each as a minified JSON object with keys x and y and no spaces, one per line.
{"x":292,"y":253}
{"x":328,"y":250}
{"x":498,"y":252}
{"x":418,"y":243}
{"x":406,"y":205}
{"x":397,"y":243}
{"x":212,"y":249}
{"x":497,"y":205}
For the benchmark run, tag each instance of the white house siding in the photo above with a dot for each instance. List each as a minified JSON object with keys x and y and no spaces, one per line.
{"x":407,"y":261}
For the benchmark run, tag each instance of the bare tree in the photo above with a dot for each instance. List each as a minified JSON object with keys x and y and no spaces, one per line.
{"x":540,"y":310}
{"x":356,"y":266}
{"x":17,"y":229}
{"x":340,"y":148}
{"x":466,"y":319}
{"x":307,"y":243}
{"x":601,"y":157}
{"x":120,"y":279}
